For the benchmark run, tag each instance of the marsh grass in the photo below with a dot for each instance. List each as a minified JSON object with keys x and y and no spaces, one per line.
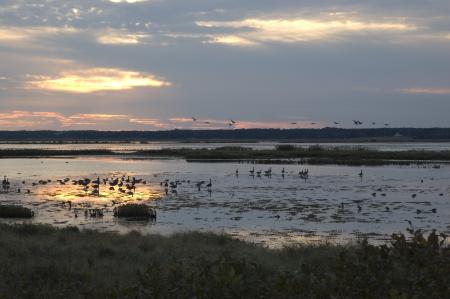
{"x":15,"y":211}
{"x":44,"y":262}
{"x":315,"y":154}
{"x":133,"y":210}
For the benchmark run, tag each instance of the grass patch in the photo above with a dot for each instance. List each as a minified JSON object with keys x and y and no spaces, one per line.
{"x":14,"y":211}
{"x":133,"y":210}
{"x":44,"y":262}
{"x":312,"y":155}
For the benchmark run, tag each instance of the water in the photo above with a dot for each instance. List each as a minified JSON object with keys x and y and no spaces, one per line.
{"x":381,"y":146}
{"x":269,"y":210}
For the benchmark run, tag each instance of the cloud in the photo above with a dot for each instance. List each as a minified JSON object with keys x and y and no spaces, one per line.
{"x":150,"y":121}
{"x":116,"y":37}
{"x":291,"y":30}
{"x":426,"y":90}
{"x":27,"y":34}
{"x":127,"y":1}
{"x":96,"y":79}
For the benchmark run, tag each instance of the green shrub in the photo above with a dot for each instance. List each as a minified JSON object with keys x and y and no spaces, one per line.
{"x":13,"y":211}
{"x":133,"y":210}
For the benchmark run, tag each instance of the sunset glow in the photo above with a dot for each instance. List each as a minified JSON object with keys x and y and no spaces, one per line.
{"x":97,"y":79}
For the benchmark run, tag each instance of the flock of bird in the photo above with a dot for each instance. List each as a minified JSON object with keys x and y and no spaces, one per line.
{"x":232,"y":123}
{"x":126,"y":185}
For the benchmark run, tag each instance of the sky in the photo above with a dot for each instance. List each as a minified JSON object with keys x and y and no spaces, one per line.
{"x":152,"y":65}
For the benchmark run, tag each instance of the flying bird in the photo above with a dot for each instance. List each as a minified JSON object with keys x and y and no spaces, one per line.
{"x":357,"y":122}
{"x":193,"y":118}
{"x":293,"y":123}
{"x":206,"y":122}
{"x":336,"y":123}
{"x":232,"y":121}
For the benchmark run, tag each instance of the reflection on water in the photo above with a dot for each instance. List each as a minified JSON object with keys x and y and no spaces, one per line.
{"x":333,"y":203}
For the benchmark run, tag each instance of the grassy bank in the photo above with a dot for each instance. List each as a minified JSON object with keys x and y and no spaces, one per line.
{"x":43,"y":262}
{"x":311,"y":155}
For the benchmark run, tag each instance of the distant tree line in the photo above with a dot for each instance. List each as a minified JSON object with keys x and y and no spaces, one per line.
{"x":325,"y":134}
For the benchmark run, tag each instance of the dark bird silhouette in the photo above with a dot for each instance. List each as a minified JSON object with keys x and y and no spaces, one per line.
{"x":194,"y":119}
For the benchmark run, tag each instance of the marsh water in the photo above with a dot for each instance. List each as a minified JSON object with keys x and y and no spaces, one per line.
{"x":333,"y":204}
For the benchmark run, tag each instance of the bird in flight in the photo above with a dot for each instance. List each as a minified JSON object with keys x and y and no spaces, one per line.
{"x":293,"y":123}
{"x":374,"y":123}
{"x":386,"y":125}
{"x":357,"y":122}
{"x":206,"y":122}
{"x":232,"y":121}
{"x":193,"y":118}
{"x":336,"y":123}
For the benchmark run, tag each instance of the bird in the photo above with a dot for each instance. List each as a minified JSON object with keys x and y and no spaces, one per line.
{"x":336,"y":123}
{"x":361,"y":173}
{"x":357,"y":122}
{"x":194,"y":119}
{"x":232,"y":121}
{"x":209,"y":185}
{"x":293,"y":123}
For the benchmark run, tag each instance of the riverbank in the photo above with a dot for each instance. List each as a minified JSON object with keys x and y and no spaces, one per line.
{"x":283,"y":154}
{"x":44,"y":262}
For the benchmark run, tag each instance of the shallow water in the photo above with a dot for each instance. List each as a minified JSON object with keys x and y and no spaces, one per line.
{"x":269,"y":210}
{"x":380,"y":146}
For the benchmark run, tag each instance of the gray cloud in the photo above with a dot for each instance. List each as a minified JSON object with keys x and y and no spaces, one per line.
{"x":358,"y":64}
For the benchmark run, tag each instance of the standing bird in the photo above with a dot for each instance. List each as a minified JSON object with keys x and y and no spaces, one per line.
{"x":209,"y":185}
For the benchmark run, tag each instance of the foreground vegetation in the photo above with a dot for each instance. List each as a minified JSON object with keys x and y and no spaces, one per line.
{"x":44,"y":262}
{"x":282,"y":154}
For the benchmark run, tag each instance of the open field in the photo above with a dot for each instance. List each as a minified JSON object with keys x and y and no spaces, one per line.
{"x":44,"y":262}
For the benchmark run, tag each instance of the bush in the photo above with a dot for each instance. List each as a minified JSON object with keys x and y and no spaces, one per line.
{"x":286,"y":147}
{"x":13,"y":211}
{"x":133,"y":210}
